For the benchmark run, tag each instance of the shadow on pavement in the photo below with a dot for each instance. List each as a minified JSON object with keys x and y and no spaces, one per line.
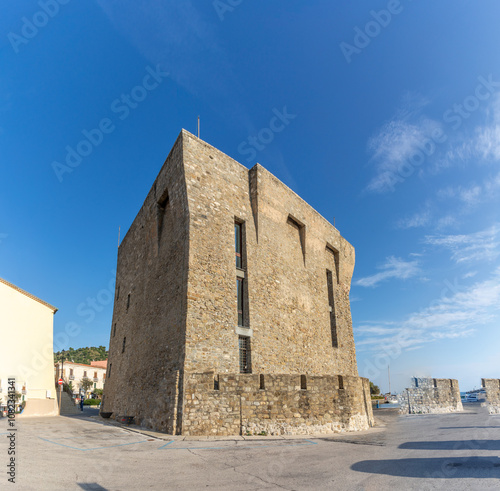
{"x":91,"y":485}
{"x":453,"y":445}
{"x":434,"y":468}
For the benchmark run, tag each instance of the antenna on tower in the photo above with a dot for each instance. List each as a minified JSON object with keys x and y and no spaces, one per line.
{"x":119,"y":236}
{"x":198,"y":126}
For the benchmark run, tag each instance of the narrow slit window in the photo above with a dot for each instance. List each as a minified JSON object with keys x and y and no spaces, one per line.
{"x":114,"y":330}
{"x":334,"y":254}
{"x":123,"y":346}
{"x":245,"y":356}
{"x":216,"y":383}
{"x":262,"y":382}
{"x":109,"y":371}
{"x":303,"y":382}
{"x":301,"y":229}
{"x":238,"y":244}
{"x":331,"y":307}
{"x":128,"y":301}
{"x":118,"y":293}
{"x":341,"y":382}
{"x":240,"y":285}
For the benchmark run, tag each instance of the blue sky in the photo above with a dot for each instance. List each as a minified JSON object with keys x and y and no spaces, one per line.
{"x":393,"y":129}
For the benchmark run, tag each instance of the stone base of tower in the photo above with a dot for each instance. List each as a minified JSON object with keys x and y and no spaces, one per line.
{"x":241,"y":404}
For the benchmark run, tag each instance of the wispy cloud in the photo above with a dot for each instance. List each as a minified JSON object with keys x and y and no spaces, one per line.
{"x":479,"y":246}
{"x":394,"y":267}
{"x":451,"y":317}
{"x":473,"y":194}
{"x":470,"y":274}
{"x":419,"y":219}
{"x":395,"y":144}
{"x":487,"y":141}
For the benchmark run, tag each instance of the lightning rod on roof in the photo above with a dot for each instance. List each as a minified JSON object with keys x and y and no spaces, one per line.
{"x":198,"y":126}
{"x":119,"y":236}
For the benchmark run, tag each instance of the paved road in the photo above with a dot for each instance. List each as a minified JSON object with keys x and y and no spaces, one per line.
{"x":448,"y":452}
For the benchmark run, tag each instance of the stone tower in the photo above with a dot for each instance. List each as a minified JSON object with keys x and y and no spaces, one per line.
{"x":232,"y":307}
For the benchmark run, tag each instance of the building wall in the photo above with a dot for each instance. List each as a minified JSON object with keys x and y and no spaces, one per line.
{"x":80,"y":371}
{"x":144,"y":369}
{"x":492,"y":386}
{"x":26,"y":350}
{"x":275,"y":404}
{"x":430,"y":395}
{"x":288,"y":303}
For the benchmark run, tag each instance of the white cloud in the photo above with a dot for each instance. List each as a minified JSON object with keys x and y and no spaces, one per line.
{"x":393,"y":267}
{"x":478,"y":246}
{"x":419,"y":219}
{"x":396,"y":144}
{"x":473,"y":194}
{"x":459,"y":315}
{"x":470,"y":274}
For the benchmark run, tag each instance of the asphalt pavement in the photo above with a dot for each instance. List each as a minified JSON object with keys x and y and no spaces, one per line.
{"x":450,"y":452}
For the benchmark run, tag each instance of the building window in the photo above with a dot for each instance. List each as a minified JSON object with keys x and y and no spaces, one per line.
{"x":301,"y":230}
{"x":85,"y":373}
{"x":241,"y":276}
{"x":128,"y":301}
{"x":238,"y":244}
{"x":95,"y":374}
{"x":262,"y":382}
{"x":245,"y":358}
{"x":109,"y":370}
{"x":303,"y":382}
{"x":114,"y":330}
{"x":334,"y":254}
{"x":240,"y":286}
{"x":123,"y":346}
{"x":70,"y":372}
{"x":117,"y":292}
{"x":331,"y":304}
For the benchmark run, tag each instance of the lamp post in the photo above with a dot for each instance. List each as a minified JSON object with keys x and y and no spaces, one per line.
{"x":62,"y":368}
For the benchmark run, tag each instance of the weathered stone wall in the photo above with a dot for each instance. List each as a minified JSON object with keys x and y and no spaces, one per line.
{"x":275,"y":404}
{"x":146,"y":353}
{"x":431,"y":395}
{"x":492,"y":386}
{"x":288,"y":304}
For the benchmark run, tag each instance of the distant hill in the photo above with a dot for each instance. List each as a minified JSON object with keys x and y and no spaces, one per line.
{"x":82,"y":355}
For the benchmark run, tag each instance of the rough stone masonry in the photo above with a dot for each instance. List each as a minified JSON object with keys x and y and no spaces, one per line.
{"x":492,"y":386}
{"x":431,"y":395}
{"x":232,"y":311}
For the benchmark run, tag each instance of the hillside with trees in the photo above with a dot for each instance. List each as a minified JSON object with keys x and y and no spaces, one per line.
{"x":82,"y":355}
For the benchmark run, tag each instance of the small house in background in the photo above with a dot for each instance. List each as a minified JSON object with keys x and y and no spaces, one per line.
{"x":74,"y":373}
{"x":26,"y":356}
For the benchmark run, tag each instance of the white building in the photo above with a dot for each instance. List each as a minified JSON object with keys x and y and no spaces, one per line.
{"x":75,"y":372}
{"x":26,"y":350}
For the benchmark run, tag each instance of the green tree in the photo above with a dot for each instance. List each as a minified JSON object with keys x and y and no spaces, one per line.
{"x":82,"y":355}
{"x":86,"y":384}
{"x":374,"y":389}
